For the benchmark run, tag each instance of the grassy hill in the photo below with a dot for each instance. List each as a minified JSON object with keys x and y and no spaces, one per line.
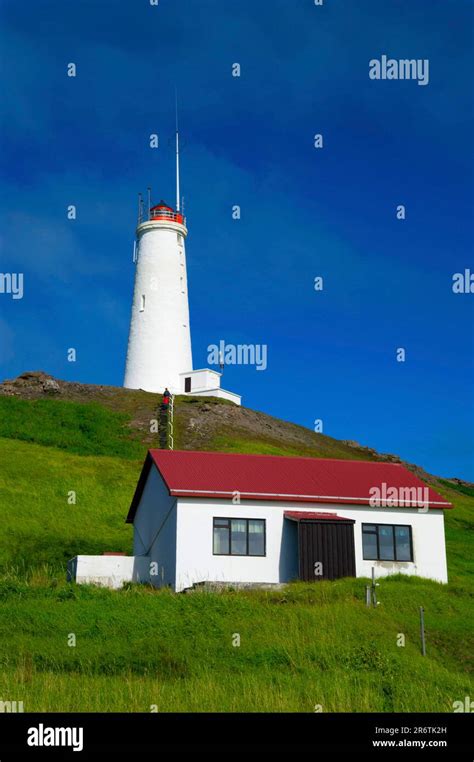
{"x":307,"y":645}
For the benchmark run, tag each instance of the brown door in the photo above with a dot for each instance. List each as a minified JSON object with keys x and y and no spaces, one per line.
{"x":187,"y":384}
{"x":326,"y":549}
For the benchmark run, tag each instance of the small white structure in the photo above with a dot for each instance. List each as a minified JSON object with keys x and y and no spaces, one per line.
{"x":159,"y":344}
{"x":206,"y":383}
{"x":224,"y":518}
{"x":109,"y":570}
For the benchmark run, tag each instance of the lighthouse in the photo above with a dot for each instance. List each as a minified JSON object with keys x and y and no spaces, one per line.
{"x":159,"y":343}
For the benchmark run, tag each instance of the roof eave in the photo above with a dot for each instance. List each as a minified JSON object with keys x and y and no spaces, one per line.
{"x":363,"y":501}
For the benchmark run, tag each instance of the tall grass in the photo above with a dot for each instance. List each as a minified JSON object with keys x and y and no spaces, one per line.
{"x":307,"y":645}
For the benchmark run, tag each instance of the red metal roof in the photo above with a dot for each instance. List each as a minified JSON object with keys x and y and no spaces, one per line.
{"x":314,"y":516}
{"x":284,"y":479}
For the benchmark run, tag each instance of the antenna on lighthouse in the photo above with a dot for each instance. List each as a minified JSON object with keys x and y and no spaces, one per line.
{"x":177,"y":152}
{"x":139,"y":208}
{"x":149,"y":201}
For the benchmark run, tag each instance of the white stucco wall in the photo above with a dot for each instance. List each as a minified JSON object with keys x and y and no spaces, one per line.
{"x":429,"y":547}
{"x":206,"y":383}
{"x":159,"y":344}
{"x":107,"y":571}
{"x":195,"y":561}
{"x":201,"y":379}
{"x":154,"y":532}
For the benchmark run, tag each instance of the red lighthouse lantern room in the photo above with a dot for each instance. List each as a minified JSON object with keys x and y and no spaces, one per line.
{"x":164,"y":212}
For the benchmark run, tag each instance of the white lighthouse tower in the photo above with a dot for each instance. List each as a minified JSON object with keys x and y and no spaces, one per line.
{"x":159,"y":343}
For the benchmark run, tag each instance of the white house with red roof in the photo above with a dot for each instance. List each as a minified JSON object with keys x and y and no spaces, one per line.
{"x":207,"y":517}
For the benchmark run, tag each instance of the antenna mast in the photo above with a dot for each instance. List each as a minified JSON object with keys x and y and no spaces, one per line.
{"x":139,"y":209}
{"x":177,"y":154}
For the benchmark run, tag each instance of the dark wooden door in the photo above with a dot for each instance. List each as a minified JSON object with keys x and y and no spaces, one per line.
{"x":329,"y":544}
{"x":187,"y":384}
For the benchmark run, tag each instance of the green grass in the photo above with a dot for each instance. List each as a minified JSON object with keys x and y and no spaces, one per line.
{"x":462,"y":488}
{"x":39,"y":524}
{"x":86,"y":429}
{"x":300,"y":647}
{"x":308,"y":645}
{"x":235,"y":442}
{"x":459,"y":531}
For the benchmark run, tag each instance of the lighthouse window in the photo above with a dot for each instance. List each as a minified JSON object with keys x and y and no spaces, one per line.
{"x":142,"y":304}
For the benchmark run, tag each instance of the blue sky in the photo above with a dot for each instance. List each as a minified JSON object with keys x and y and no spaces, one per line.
{"x":306,"y":212}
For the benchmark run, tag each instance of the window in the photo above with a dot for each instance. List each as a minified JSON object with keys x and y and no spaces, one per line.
{"x":142,"y":303}
{"x":239,"y":537}
{"x":387,"y":542}
{"x":403,"y":544}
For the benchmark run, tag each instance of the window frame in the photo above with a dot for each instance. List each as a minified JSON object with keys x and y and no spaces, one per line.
{"x":376,"y":533}
{"x":229,"y":519}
